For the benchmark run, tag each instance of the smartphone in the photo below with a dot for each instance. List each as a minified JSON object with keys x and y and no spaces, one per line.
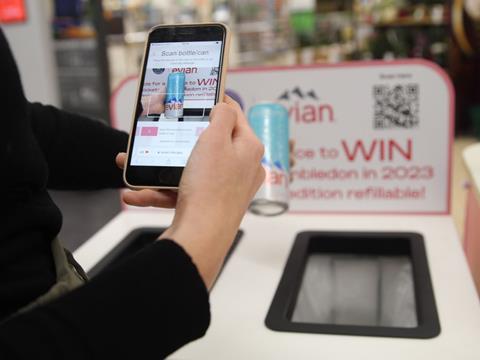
{"x":183,"y":76}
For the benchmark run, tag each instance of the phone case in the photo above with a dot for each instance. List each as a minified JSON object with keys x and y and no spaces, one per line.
{"x":221,"y":93}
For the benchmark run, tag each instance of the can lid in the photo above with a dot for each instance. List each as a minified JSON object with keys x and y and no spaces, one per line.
{"x":267,"y":207}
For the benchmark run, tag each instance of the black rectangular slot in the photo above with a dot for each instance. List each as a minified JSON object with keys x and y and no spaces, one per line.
{"x":371,"y":284}
{"x":136,"y":241}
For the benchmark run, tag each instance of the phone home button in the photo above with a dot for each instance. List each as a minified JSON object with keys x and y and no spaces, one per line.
{"x":167,"y":178}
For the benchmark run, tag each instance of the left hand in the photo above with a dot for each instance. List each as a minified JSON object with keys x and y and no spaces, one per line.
{"x":146,"y":197}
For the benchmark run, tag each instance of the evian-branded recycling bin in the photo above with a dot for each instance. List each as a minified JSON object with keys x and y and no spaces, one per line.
{"x":367,"y":264}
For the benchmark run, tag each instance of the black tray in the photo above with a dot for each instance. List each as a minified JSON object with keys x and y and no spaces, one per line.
{"x":279,"y":316}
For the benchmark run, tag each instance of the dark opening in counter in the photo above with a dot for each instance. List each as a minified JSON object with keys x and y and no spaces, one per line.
{"x":136,"y":241}
{"x":372,"y":284}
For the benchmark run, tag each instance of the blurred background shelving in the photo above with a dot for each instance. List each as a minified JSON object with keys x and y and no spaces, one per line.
{"x":281,"y":32}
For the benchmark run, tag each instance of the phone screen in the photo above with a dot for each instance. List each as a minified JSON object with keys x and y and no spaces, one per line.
{"x":179,"y":89}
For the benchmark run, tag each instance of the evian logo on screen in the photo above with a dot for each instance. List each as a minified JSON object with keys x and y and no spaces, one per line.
{"x":306,"y":107}
{"x":186,"y":70}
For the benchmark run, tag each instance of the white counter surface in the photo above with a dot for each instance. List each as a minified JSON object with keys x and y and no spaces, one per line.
{"x":243,"y":293}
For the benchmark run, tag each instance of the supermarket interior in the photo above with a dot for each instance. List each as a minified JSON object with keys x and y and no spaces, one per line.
{"x":383,"y":99}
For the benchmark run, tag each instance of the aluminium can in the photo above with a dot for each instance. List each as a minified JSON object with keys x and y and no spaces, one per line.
{"x":270,"y":123}
{"x":175,"y":95}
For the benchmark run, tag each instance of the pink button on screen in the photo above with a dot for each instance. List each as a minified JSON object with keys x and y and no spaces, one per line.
{"x":149,"y":131}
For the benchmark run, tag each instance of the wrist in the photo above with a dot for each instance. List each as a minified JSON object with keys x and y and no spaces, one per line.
{"x":206,"y":240}
{"x":205,"y":219}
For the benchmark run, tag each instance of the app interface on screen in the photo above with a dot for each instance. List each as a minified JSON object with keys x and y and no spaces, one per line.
{"x":176,"y":99}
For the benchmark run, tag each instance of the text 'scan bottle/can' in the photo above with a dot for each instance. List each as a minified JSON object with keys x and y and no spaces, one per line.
{"x":269,"y":121}
{"x":175,"y":95}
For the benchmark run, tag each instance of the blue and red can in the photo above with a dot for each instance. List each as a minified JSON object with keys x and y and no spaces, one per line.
{"x":270,"y":123}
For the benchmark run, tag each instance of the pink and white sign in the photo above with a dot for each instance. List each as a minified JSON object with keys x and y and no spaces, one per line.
{"x":370,"y":137}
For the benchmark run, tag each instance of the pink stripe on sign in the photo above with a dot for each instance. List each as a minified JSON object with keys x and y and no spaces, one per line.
{"x":149,"y":131}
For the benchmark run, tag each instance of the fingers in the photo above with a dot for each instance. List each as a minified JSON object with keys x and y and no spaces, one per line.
{"x":223,"y":117}
{"x":242,"y":121}
{"x":244,"y":136}
{"x":143,"y":198}
{"x":144,"y":103}
{"x":243,"y":133}
{"x":157,"y":104}
{"x":158,"y":97}
{"x":120,"y":160}
{"x":228,"y":100}
{"x":153,"y":104}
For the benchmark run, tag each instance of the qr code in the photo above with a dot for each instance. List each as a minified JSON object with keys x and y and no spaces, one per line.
{"x":396,"y":106}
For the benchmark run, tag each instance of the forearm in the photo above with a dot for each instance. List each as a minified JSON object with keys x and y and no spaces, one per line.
{"x":146,"y":307}
{"x":80,"y":152}
{"x":207,"y":237}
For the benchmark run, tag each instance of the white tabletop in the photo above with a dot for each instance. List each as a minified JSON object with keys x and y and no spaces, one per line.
{"x":243,"y":293}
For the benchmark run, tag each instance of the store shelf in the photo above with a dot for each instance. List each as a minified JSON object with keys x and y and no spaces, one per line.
{"x":410,"y":23}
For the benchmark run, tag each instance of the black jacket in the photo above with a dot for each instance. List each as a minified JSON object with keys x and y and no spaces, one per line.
{"x":147,"y":307}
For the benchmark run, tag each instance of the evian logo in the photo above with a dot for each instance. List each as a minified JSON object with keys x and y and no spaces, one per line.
{"x":187,"y":70}
{"x":275,"y":177}
{"x":307,"y":107}
{"x":174,"y":105}
{"x":275,"y":174}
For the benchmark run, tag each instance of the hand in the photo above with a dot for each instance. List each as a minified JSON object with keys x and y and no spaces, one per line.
{"x":167,"y":198}
{"x":146,"y":197}
{"x":222,"y":175}
{"x":153,"y":104}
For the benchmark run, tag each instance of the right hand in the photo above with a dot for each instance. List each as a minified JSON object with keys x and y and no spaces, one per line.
{"x":222,"y":175}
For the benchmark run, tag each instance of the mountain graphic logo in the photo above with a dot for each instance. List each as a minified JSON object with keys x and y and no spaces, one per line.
{"x":275,"y":164}
{"x":299,"y":94}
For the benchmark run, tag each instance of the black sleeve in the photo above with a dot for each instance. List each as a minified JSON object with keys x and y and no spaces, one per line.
{"x":145,"y":308}
{"x":80,"y":152}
